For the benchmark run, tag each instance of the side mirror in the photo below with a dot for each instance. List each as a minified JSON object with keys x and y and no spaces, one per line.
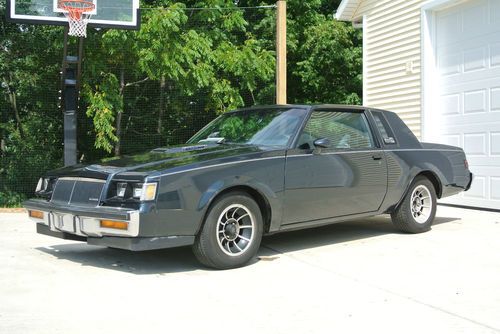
{"x":322,"y":143}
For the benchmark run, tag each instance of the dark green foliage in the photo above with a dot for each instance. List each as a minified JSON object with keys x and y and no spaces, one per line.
{"x":157,"y":86}
{"x":30,"y":120}
{"x":324,"y":55}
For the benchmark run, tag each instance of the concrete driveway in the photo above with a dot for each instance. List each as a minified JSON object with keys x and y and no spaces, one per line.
{"x":358,"y":277}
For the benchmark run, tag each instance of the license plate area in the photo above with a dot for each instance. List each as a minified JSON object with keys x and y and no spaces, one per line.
{"x":62,"y":222}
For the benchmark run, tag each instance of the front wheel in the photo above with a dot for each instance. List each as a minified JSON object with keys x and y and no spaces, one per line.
{"x":417,"y":211}
{"x":231,"y":234}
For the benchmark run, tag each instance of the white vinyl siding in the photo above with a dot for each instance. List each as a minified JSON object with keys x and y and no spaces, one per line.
{"x":392,"y":59}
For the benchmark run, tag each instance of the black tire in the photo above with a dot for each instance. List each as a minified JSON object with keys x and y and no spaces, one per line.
{"x":406,"y":217}
{"x":217,"y":252}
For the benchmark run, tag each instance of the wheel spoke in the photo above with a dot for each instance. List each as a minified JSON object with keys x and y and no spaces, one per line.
{"x":241,"y":217}
{"x":244,"y":238}
{"x":245,"y":226}
{"x":241,"y":250}
{"x":229,"y":248}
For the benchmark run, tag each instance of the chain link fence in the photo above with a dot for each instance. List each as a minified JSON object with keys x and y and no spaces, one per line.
{"x":140,"y":89}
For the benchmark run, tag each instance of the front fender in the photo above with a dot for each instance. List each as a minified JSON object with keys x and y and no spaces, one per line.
{"x":270,"y":197}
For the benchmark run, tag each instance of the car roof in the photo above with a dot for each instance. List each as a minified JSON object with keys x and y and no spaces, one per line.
{"x":339,"y":107}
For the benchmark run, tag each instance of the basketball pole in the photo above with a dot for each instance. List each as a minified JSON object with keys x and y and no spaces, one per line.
{"x":70,"y":78}
{"x":281,"y":53}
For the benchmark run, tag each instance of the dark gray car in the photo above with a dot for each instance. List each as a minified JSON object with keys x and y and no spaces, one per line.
{"x":253,"y":172}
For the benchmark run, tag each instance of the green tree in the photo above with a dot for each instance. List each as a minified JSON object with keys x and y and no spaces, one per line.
{"x":30,"y":120}
{"x":193,"y":51}
{"x":324,"y":55}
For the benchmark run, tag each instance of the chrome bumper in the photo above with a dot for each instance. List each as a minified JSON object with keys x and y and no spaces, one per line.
{"x":84,"y":221}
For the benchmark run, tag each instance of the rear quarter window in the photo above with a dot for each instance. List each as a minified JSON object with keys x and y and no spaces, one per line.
{"x":384,"y":128}
{"x":402,"y":132}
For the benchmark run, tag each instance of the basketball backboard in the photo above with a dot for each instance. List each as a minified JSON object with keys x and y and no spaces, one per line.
{"x":122,"y":14}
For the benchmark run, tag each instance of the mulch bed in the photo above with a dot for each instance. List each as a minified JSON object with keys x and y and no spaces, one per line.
{"x":12,"y":210}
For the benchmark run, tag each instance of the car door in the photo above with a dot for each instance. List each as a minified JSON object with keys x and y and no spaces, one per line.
{"x":348,"y":177}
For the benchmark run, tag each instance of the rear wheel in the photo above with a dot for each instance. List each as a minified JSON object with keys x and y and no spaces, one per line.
{"x":417,"y":211}
{"x":231,"y":234}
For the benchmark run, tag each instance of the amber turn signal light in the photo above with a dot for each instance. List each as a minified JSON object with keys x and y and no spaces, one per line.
{"x":36,"y":214}
{"x":114,"y":224}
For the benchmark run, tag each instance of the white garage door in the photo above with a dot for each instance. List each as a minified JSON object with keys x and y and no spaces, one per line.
{"x":467,"y":51}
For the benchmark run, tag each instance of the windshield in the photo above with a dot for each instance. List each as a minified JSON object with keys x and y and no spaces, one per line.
{"x":262,"y":127}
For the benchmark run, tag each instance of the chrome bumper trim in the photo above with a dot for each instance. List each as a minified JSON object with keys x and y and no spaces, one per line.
{"x":84,"y":222}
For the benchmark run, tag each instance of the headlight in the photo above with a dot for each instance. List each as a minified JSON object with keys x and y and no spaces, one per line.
{"x":121,"y":189}
{"x":137,"y":191}
{"x":147,"y":192}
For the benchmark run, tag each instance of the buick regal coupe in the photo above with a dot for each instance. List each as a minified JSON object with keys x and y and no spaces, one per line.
{"x":250,"y":173}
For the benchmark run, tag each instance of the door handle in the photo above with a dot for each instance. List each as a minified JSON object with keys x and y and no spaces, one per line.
{"x":377,"y":156}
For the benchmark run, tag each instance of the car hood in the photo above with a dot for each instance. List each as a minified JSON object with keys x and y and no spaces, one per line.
{"x":160,"y":159}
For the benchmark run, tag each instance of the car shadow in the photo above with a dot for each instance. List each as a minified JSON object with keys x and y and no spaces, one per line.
{"x":141,"y":263}
{"x":177,"y":260}
{"x":335,"y":234}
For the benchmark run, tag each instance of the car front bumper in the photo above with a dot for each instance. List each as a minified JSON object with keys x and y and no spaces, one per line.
{"x":84,"y":221}
{"x":84,"y":224}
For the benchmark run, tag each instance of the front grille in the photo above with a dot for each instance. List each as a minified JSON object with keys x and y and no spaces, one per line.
{"x":78,"y":191}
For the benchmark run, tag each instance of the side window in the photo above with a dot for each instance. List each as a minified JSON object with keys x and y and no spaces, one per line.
{"x":345,"y":130}
{"x":384,"y":128}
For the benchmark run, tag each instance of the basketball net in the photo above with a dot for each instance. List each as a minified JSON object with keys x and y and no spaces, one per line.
{"x":78,"y":13}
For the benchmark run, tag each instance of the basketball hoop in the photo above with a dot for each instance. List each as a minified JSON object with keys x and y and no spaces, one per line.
{"x":78,"y":13}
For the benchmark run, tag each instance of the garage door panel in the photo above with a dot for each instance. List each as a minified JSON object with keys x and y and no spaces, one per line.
{"x":475,"y":101}
{"x":486,"y":41}
{"x":448,"y":23}
{"x":450,"y":64}
{"x":495,"y":54}
{"x":467,"y":108}
{"x":472,"y":80}
{"x":475,"y":19}
{"x":495,"y":188}
{"x":469,"y":123}
{"x":475,"y":59}
{"x":475,"y":144}
{"x":450,"y":104}
{"x":453,"y":139}
{"x":495,"y":99}
{"x":495,"y":143}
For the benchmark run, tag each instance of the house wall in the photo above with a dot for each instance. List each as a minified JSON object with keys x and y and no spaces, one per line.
{"x":392,"y":57}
